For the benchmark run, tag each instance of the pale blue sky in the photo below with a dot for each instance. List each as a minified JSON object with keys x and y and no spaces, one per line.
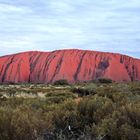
{"x":45,"y":25}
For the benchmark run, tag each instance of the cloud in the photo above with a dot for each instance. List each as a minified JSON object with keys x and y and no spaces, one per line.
{"x":8,"y":9}
{"x":111,"y":25}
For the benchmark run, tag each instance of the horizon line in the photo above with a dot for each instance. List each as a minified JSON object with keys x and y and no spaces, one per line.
{"x":69,"y":49}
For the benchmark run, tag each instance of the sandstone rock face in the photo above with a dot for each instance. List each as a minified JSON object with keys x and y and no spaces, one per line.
{"x":73,"y":65}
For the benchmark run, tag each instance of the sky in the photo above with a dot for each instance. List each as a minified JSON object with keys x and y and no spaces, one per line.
{"x":47,"y":25}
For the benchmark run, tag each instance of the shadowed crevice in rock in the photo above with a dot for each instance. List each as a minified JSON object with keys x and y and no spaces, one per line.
{"x":58,"y":67}
{"x":103,"y":65}
{"x":79,"y":67}
{"x":6,"y":68}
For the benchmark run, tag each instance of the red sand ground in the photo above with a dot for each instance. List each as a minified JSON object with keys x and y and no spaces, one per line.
{"x":73,"y":65}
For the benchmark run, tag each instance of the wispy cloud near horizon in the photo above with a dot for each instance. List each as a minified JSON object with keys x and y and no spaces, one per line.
{"x":111,"y":25}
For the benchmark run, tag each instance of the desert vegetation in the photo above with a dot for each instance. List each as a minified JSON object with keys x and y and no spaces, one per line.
{"x":83,"y":111}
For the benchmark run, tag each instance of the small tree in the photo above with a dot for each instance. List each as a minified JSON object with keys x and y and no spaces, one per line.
{"x":61,"y":82}
{"x":105,"y":80}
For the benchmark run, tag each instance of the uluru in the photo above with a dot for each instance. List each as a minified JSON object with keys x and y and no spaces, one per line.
{"x":73,"y":65}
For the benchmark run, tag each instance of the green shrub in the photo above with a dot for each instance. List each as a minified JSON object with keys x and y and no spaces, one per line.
{"x":105,"y":80}
{"x":61,"y":82}
{"x":59,"y":97}
{"x":95,"y":108}
{"x":84,"y":91}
